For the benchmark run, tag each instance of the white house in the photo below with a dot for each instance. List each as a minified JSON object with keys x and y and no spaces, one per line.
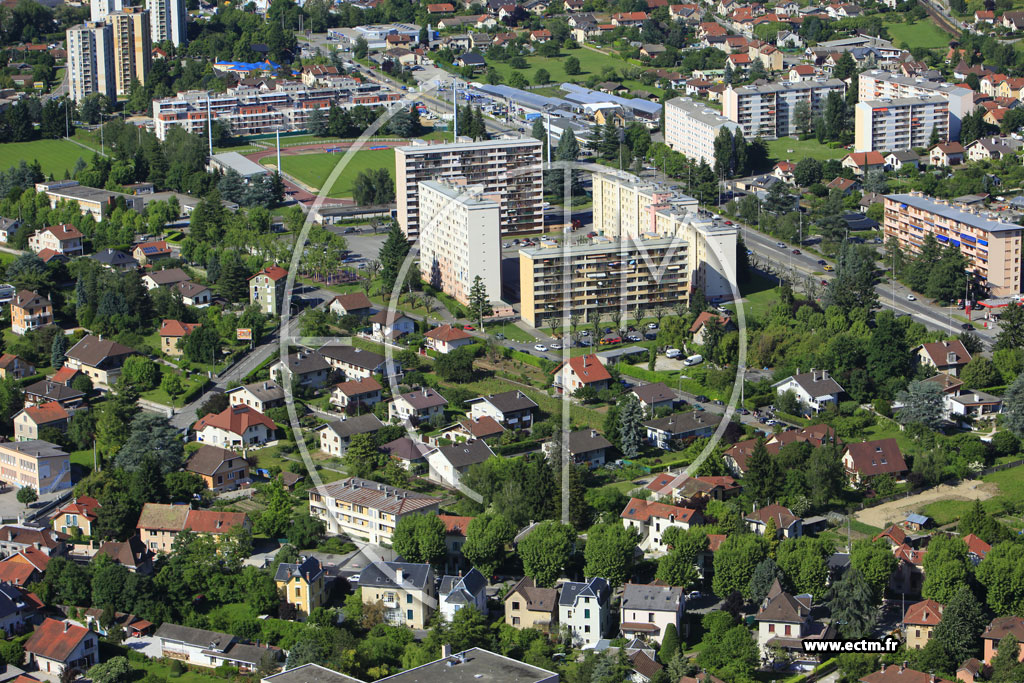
{"x":514,"y":409}
{"x":448,"y":463}
{"x":581,"y":371}
{"x":235,"y":427}
{"x":445,"y":338}
{"x":815,"y":389}
{"x":589,"y":446}
{"x":784,"y":621}
{"x":420,"y":405}
{"x":651,"y":520}
{"x":787,"y":525}
{"x":193,"y":294}
{"x":336,"y":434}
{"x":647,"y":610}
{"x":388,"y":325}
{"x":456,"y":592}
{"x":584,"y":608}
{"x":56,"y":645}
{"x":356,"y":363}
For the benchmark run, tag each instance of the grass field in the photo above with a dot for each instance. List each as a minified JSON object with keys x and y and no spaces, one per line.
{"x":780,"y":150}
{"x":55,"y":156}
{"x":919,"y":34}
{"x":313,"y":169}
{"x":591,"y":62}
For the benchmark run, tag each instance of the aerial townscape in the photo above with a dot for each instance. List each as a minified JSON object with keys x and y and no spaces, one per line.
{"x":511,"y":341}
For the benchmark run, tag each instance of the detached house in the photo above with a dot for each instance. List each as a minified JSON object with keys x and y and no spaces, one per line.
{"x":171,"y":333}
{"x":307,"y":367}
{"x":357,"y":395}
{"x":998,"y":629}
{"x":514,"y":409}
{"x":448,"y":463}
{"x":303,"y":584}
{"x":356,"y":363}
{"x":261,"y":396}
{"x":655,"y":396}
{"x":815,"y":390}
{"x":919,"y":621}
{"x":664,"y":431}
{"x":31,"y":420}
{"x":581,"y":371}
{"x":872,"y":458}
{"x":219,"y":468}
{"x":419,"y":405}
{"x":527,"y":606}
{"x":704,"y":319}
{"x":390,"y":325}
{"x":864,"y":162}
{"x":651,"y":519}
{"x":30,"y":311}
{"x":165,"y":277}
{"x":949,"y":356}
{"x":584,"y":608}
{"x":13,"y":367}
{"x":445,"y":338}
{"x":193,"y":294}
{"x":589,"y":446}
{"x":160,"y":524}
{"x":946,"y":154}
{"x":59,"y":645}
{"x":80,"y":513}
{"x":336,"y":434}
{"x":405,"y":589}
{"x":266,"y":289}
{"x":356,"y":303}
{"x":787,"y":525}
{"x":458,"y":592}
{"x":63,"y":239}
{"x":99,"y":359}
{"x":648,"y":609}
{"x":784,"y":621}
{"x":235,"y":427}
{"x":147,"y":252}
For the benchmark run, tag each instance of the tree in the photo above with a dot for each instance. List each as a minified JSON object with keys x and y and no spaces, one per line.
{"x":1013,"y":407}
{"x":956,"y":636}
{"x":762,"y":476}
{"x":27,"y":495}
{"x":361,"y":48}
{"x":808,"y":170}
{"x":541,"y":77}
{"x":362,"y":456}
{"x":609,"y":552}
{"x":307,"y":532}
{"x":140,"y":372}
{"x":571,"y":66}
{"x":57,"y":350}
{"x":669,"y":644}
{"x":420,"y":539}
{"x":391,"y":256}
{"x":851,"y":600}
{"x":631,"y":416}
{"x":201,"y":345}
{"x":765,"y":574}
{"x":922,"y":404}
{"x":1006,"y":667}
{"x":946,"y":568}
{"x":980,"y":373}
{"x":546,"y":550}
{"x":486,"y":538}
{"x":172,"y":384}
{"x":875,"y":562}
{"x":479,"y":301}
{"x":275,"y":518}
{"x":455,"y":366}
{"x":152,"y":436}
{"x":735,"y":562}
{"x":114,"y":670}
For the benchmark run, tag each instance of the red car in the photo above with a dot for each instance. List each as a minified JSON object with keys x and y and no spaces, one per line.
{"x":469,"y":328}
{"x":796,"y":251}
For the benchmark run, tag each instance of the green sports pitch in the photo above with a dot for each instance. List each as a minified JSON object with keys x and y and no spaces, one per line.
{"x":313,"y":169}
{"x":55,"y":156}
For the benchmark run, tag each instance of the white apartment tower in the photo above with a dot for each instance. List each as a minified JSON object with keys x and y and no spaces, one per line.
{"x":691,"y":128}
{"x":878,"y":85}
{"x":901,"y":124}
{"x":167,"y":21}
{"x":99,"y":9}
{"x":767,"y":111}
{"x":460,"y":238}
{"x":133,"y":54}
{"x":511,"y":169}
{"x":91,"y":61}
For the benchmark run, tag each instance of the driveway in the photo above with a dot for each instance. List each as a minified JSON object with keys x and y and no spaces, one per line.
{"x":147,"y":645}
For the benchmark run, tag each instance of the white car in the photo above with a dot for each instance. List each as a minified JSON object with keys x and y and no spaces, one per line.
{"x":780,"y":245}
{"x":540,"y":347}
{"x":911,"y":297}
{"x":694,"y":360}
{"x":556,"y":346}
{"x":354,"y":578}
{"x":673,"y":353}
{"x":652,"y":326}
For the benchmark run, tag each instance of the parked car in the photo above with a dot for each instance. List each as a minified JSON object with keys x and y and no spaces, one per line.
{"x":821,"y":262}
{"x":540,"y":347}
{"x":468,"y":328}
{"x":828,"y":268}
{"x":673,"y":353}
{"x":652,"y":326}
{"x":796,"y":252}
{"x":555,"y":346}
{"x":695,"y":359}
{"x":499,"y":336}
{"x":701,"y":398}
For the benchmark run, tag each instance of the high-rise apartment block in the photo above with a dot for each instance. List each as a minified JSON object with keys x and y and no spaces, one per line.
{"x":460,"y":238}
{"x":133,"y":49}
{"x":99,"y":9}
{"x":691,"y":128}
{"x":991,"y":245}
{"x":901,"y":124}
{"x":768,"y":111}
{"x":877,"y":85}
{"x":91,"y":61}
{"x":508,"y":168}
{"x":167,"y":21}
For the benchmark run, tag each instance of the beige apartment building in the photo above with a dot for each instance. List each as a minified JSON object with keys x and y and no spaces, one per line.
{"x":460,"y":238}
{"x":691,"y":128}
{"x":91,"y":61}
{"x":877,"y":84}
{"x":895,"y":125}
{"x":992,"y":246}
{"x":510,"y":169}
{"x":767,"y":111}
{"x":366,"y":509}
{"x":133,"y":49}
{"x":39,"y":464}
{"x":405,"y":589}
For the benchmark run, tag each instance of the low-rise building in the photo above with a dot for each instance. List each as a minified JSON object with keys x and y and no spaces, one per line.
{"x":873,"y":458}
{"x":219,"y":468}
{"x":59,"y":645}
{"x":98,"y":359}
{"x":946,"y":154}
{"x":63,"y":239}
{"x":589,"y":446}
{"x":815,"y":390}
{"x":420,"y":405}
{"x":266,"y":289}
{"x":784,"y":621}
{"x":361,"y":394}
{"x":160,"y":524}
{"x":694,"y":424}
{"x":948,"y":356}
{"x":356,"y":363}
{"x":30,"y":311}
{"x":528,"y":606}
{"x":115,"y":259}
{"x":165,"y":277}
{"x":389,"y":325}
{"x":445,"y":338}
{"x":647,"y":610}
{"x":30,"y":421}
{"x":13,"y":367}
{"x":458,"y":592}
{"x":366,"y":509}
{"x":655,"y":396}
{"x":447,"y":464}
{"x":651,"y":519}
{"x":514,"y":409}
{"x":147,"y":252}
{"x":406,"y":591}
{"x":581,"y":371}
{"x":999,"y":628}
{"x":193,"y":294}
{"x":260,"y":396}
{"x":236,"y":427}
{"x":303,"y":584}
{"x":584,"y":607}
{"x":307,"y":367}
{"x":335,"y":435}
{"x":79,"y":514}
{"x":787,"y":525}
{"x":920,"y":621}
{"x":353,"y":303}
{"x":172,"y":332}
{"x":38,"y":464}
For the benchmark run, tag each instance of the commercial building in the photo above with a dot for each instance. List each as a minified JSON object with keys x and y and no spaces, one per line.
{"x":38,"y":464}
{"x":366,"y":509}
{"x":167,"y":21}
{"x":991,"y":246}
{"x":252,"y":111}
{"x":691,"y":128}
{"x":90,"y":200}
{"x":460,"y":238}
{"x":509,"y":168}
{"x":896,"y":125}
{"x":768,"y":111}
{"x":91,"y":61}
{"x":877,"y":85}
{"x":133,"y":50}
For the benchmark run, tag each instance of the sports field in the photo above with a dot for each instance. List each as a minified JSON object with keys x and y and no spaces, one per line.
{"x":313,"y":169}
{"x":55,"y":156}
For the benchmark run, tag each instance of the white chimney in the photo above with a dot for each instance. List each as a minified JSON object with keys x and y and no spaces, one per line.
{"x":399,"y":576}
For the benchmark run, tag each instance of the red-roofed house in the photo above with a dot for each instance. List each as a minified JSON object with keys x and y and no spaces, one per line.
{"x":47,"y":255}
{"x":894,"y":536}
{"x":784,"y":172}
{"x":19,"y":573}
{"x":30,"y":557}
{"x":699,"y":325}
{"x":171,"y":331}
{"x":540,"y":36}
{"x":872,"y":458}
{"x":919,"y":621}
{"x":355,"y":303}
{"x":581,"y":371}
{"x":454,"y":538}
{"x":863,"y":162}
{"x":57,"y":645}
{"x":787,"y":525}
{"x":946,"y":154}
{"x":30,"y":420}
{"x":738,"y":61}
{"x":80,"y":513}
{"x":977,"y":549}
{"x":147,"y":252}
{"x":266,"y":289}
{"x":440,"y":8}
{"x":445,"y":338}
{"x":629,"y":18}
{"x":984,"y":16}
{"x":949,"y":356}
{"x":64,"y":376}
{"x":651,"y":519}
{"x":63,"y":239}
{"x":909,"y":575}
{"x":235,"y":427}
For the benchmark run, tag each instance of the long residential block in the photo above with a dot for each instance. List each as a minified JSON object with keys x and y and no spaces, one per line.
{"x":511,"y":169}
{"x":366,"y":509}
{"x":767,"y":111}
{"x":691,"y":128}
{"x":888,"y":125}
{"x":878,"y":85}
{"x":992,"y":246}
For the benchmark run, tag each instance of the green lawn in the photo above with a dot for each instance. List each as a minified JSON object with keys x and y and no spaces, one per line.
{"x":161,"y":396}
{"x":591,"y":63}
{"x":1011,"y":489}
{"x":801,"y":149}
{"x":55,"y":156}
{"x":919,"y":34}
{"x":313,"y":169}
{"x":759,"y":296}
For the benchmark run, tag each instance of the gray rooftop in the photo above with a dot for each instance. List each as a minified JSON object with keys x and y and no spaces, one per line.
{"x":700,"y":112}
{"x":310,"y":673}
{"x":239,"y":164}
{"x":946,"y":210}
{"x":359,"y":424}
{"x":652,"y":597}
{"x":596,"y":588}
{"x":385,"y":574}
{"x":786,"y":86}
{"x":474,"y":666}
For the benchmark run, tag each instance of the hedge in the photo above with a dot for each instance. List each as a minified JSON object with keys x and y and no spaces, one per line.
{"x":193,"y":393}
{"x":518,"y":447}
